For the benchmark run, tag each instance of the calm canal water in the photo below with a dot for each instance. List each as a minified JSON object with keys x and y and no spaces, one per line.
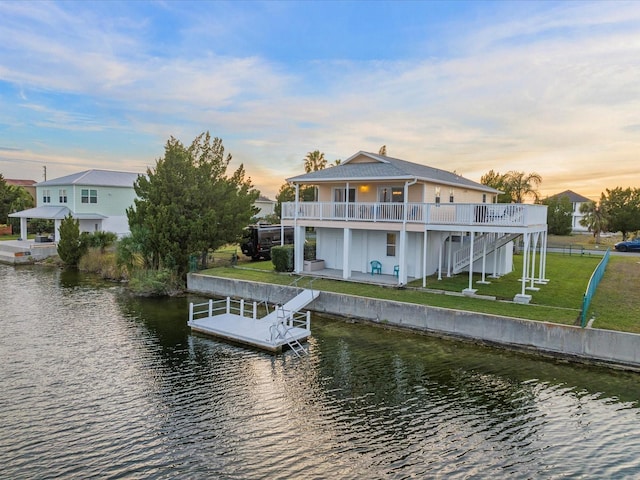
{"x":96,"y":384}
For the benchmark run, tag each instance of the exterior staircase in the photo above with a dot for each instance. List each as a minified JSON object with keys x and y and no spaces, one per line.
{"x":493,"y":241}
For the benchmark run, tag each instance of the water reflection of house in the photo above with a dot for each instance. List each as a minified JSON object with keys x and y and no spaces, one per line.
{"x":98,"y":199}
{"x":413,"y":221}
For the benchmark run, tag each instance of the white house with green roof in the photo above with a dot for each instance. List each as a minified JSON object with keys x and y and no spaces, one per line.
{"x":378,"y":215}
{"x":98,"y":199}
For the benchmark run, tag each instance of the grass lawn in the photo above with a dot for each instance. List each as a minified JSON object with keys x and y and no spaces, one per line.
{"x":559,"y":301}
{"x":616,"y":304}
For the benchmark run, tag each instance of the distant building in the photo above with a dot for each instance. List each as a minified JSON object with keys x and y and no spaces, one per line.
{"x":28,"y":185}
{"x":267,"y":207}
{"x":576,"y":200}
{"x":98,"y":199}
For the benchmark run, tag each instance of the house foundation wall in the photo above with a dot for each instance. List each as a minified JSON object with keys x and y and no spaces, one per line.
{"x":618,"y":349}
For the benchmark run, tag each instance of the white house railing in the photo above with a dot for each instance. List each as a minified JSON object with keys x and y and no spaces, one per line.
{"x":494,"y":214}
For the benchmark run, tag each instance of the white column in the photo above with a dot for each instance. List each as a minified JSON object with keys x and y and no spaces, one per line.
{"x":346,"y":253}
{"x":532,"y":272}
{"x":543,"y":260}
{"x":56,"y":229}
{"x":450,"y":254}
{"x":522,"y":297}
{"x":402,"y":261}
{"x":484,"y":262}
{"x":424,"y":260}
{"x":23,"y":229}
{"x":298,"y":250}
{"x":470,"y":288}
{"x":440,"y":260}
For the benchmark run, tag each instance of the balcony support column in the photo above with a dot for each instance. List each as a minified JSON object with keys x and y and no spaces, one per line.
{"x":543,"y":260}
{"x":449,"y":254}
{"x":532,"y":274}
{"x":346,"y":253}
{"x":523,"y":297}
{"x":470,"y":290}
{"x":402,"y":261}
{"x":424,"y":260}
{"x":298,"y":250}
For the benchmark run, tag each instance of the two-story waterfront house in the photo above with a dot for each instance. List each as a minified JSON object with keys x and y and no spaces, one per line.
{"x":98,"y":199}
{"x":381,"y":215}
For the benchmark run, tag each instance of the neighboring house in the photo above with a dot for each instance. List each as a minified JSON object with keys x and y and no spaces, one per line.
{"x":266,"y":207}
{"x":98,"y":199}
{"x":28,"y":185}
{"x":576,"y":201}
{"x":415,"y":221}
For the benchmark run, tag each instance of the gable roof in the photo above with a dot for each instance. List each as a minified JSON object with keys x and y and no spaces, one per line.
{"x":573,"y":197}
{"x":98,"y":178}
{"x":386,"y":168}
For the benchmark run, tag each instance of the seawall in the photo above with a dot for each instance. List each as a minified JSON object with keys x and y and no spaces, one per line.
{"x":587,"y":345}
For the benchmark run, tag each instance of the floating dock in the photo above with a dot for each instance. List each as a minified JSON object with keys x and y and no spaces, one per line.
{"x":285,"y":326}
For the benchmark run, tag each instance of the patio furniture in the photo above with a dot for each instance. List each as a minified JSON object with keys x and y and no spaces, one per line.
{"x":376,"y":267}
{"x":396,"y":270}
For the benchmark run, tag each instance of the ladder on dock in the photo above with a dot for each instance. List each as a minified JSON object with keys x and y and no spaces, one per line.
{"x":294,"y":344}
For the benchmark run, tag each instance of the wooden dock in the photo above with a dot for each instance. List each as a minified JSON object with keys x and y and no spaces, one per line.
{"x":286,"y":326}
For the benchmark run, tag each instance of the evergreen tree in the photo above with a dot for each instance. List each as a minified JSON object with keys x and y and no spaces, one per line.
{"x":559,"y":215}
{"x":187,"y":204}
{"x":621,"y":208}
{"x":70,"y":245}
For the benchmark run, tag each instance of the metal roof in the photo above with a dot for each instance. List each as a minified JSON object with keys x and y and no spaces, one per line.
{"x":386,"y":168}
{"x":55,"y":213}
{"x":99,"y":178}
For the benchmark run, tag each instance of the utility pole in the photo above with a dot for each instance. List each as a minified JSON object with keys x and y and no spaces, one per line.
{"x":45,"y":172}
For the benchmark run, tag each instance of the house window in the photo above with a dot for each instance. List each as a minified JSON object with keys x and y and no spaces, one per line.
{"x":391,"y":194}
{"x":46,"y":196}
{"x":437,"y":195}
{"x":451,"y":196}
{"x":391,"y":244}
{"x":484,"y":198}
{"x":62,"y":196}
{"x":88,"y":196}
{"x":340,"y":195}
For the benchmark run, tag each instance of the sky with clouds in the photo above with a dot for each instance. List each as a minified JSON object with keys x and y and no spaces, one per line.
{"x":546,"y":87}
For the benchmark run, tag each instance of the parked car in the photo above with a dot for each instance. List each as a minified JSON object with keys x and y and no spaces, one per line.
{"x":628,"y":245}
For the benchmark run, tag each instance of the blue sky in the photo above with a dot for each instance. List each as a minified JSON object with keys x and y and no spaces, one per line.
{"x":550,"y":87}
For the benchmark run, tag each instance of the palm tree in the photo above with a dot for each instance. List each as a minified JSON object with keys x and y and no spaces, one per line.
{"x":594,"y":219}
{"x":521,"y":185}
{"x":314,"y":161}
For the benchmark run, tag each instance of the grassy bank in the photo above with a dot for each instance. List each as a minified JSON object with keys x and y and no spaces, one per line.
{"x":559,"y":301}
{"x":616,"y":304}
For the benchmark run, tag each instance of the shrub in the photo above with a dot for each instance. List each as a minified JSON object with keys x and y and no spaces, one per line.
{"x":155,"y":283}
{"x":103,"y":263}
{"x":282,"y":258}
{"x":70,"y":246}
{"x":101,"y":240}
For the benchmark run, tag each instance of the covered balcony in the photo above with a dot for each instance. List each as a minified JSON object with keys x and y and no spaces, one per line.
{"x":429,"y":214}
